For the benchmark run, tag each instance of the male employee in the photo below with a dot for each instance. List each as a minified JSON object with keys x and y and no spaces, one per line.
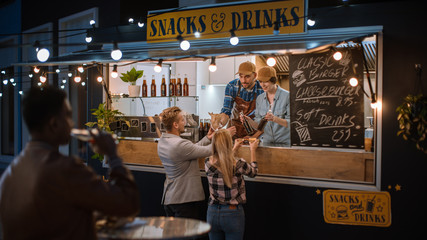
{"x":240,"y":96}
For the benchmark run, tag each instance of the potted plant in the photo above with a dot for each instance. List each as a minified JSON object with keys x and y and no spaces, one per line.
{"x":131,"y":77}
{"x":412,"y":118}
{"x":106,"y":119}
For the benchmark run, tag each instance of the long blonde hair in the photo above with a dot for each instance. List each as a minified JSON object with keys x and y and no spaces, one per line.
{"x":222,"y":148}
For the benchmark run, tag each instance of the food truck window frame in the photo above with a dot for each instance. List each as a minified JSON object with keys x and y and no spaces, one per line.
{"x":324,"y":182}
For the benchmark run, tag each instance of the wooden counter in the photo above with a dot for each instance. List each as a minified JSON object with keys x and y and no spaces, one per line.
{"x":289,"y":162}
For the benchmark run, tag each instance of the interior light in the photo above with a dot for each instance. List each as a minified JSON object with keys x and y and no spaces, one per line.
{"x":183,"y":44}
{"x":114,"y":73}
{"x":83,"y":83}
{"x":212,"y":66}
{"x":141,"y":24}
{"x":131,"y":20}
{"x":14,"y":84}
{"x":158,"y":67}
{"x":57,"y":70}
{"x":5,"y":82}
{"x":36,"y":69}
{"x":81,"y":69}
{"x":62,"y":86}
{"x":116,"y":54}
{"x":1,"y":94}
{"x":311,"y":22}
{"x":39,"y":84}
{"x":21,"y":92}
{"x":64,"y":81}
{"x":99,"y":78}
{"x":42,"y":79}
{"x":12,"y":80}
{"x":197,"y":34}
{"x":353,"y":82}
{"x":234,"y":40}
{"x":271,"y":61}
{"x":30,"y":75}
{"x":3,"y":72}
{"x":92,"y":22}
{"x":88,"y":39}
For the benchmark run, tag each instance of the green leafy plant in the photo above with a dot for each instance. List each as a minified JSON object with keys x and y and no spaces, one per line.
{"x":105,"y":118}
{"x":412,"y":118}
{"x":131,"y":76}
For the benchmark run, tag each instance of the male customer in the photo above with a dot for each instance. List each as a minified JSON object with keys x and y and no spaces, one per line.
{"x":46,"y":195}
{"x":240,"y":96}
{"x":183,"y":194}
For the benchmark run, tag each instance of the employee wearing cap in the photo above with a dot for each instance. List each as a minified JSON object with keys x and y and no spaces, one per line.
{"x":273,"y":106}
{"x":241,"y":95}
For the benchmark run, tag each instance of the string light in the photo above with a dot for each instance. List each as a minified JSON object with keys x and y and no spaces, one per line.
{"x":337,"y":55}
{"x":36,"y":69}
{"x":77,"y":79}
{"x":80,"y":69}
{"x":197,"y":34}
{"x":64,"y":81}
{"x":183,"y":44}
{"x":83,"y":84}
{"x":234,"y":40}
{"x":114,"y":73}
{"x":212,"y":66}
{"x":116,"y":54}
{"x":5,"y":82}
{"x":158,"y":67}
{"x":88,"y":38}
{"x":92,"y":23}
{"x":99,"y":78}
{"x":70,"y":74}
{"x":42,"y":53}
{"x":42,"y":79}
{"x":12,"y":80}
{"x":57,"y":70}
{"x":30,"y":75}
{"x":131,"y":20}
{"x":311,"y":22}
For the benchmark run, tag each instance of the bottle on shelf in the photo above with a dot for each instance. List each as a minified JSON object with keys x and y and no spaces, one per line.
{"x":171,"y":86}
{"x":178,"y":86}
{"x":153,"y":86}
{"x":185,"y":86}
{"x":144,"y":87}
{"x":163,"y":87}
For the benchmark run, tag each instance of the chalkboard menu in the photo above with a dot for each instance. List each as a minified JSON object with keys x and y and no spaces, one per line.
{"x":326,"y":111}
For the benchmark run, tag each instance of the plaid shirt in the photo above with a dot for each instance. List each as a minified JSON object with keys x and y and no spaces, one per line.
{"x":219,"y":193}
{"x":231,"y":92}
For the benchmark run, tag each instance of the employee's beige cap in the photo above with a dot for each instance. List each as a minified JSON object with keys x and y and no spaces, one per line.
{"x":265,"y":73}
{"x":246,"y":68}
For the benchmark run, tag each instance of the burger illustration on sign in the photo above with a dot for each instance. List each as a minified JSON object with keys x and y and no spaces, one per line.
{"x":342,"y":212}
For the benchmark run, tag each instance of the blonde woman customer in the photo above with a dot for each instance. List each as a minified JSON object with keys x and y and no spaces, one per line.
{"x":227,"y":187}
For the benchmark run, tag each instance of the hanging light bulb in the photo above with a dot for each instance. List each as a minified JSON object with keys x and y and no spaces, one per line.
{"x":99,"y":79}
{"x":70,"y":74}
{"x":83,"y":84}
{"x":64,"y":81}
{"x":43,"y":55}
{"x":158,"y":67}
{"x":21,"y":92}
{"x":88,"y":38}
{"x":12,"y":80}
{"x":271,"y":61}
{"x":92,"y":23}
{"x":57,"y":70}
{"x":131,"y":20}
{"x":42,"y":79}
{"x":311,"y":22}
{"x":197,"y":34}
{"x":212,"y":66}
{"x":234,"y":40}
{"x":116,"y":54}
{"x":62,"y":86}
{"x":114,"y":73}
{"x":5,"y":82}
{"x":30,"y":75}
{"x":77,"y":79}
{"x":80,"y":69}
{"x":36,"y":69}
{"x":353,"y":82}
{"x":183,"y":44}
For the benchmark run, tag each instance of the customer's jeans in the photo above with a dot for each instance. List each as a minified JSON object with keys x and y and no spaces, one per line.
{"x":195,"y":210}
{"x":227,"y":222}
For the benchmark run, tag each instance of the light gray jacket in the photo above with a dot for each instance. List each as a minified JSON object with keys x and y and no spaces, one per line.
{"x":179,"y":158}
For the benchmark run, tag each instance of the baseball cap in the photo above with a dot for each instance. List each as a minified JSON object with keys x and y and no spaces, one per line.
{"x":246,"y":68}
{"x":265,"y":73}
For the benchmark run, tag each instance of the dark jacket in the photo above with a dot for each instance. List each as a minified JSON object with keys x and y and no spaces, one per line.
{"x":46,"y":195}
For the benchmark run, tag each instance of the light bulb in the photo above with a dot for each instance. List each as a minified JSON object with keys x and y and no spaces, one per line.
{"x":234,"y":40}
{"x":42,"y":79}
{"x":80,"y":69}
{"x":157,"y":68}
{"x":99,"y":79}
{"x":36,"y":69}
{"x":212,"y":68}
{"x":131,"y":20}
{"x":5,"y":82}
{"x":185,"y":45}
{"x":92,"y":22}
{"x":77,"y":79}
{"x":70,"y":74}
{"x":43,"y":55}
{"x":374,"y":105}
{"x":12,"y":80}
{"x":64,"y":80}
{"x":353,"y":82}
{"x":337,"y":55}
{"x":30,"y":75}
{"x":116,"y":54}
{"x":141,"y":24}
{"x":271,"y":61}
{"x":62,"y":86}
{"x":114,"y":74}
{"x":83,"y":83}
{"x":197,"y":34}
{"x":88,"y":39}
{"x":311,"y":22}
{"x":57,"y":70}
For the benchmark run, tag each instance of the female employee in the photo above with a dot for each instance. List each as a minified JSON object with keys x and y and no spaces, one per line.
{"x":227,"y":186}
{"x":272,"y":106}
